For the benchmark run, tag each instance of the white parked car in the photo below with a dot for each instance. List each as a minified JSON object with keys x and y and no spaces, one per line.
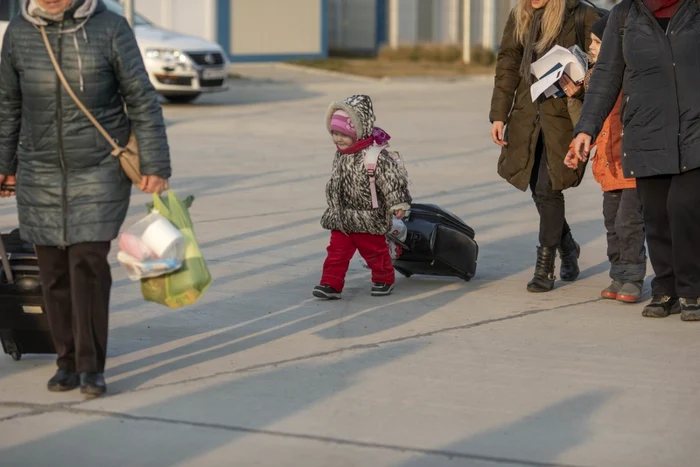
{"x":181,"y":67}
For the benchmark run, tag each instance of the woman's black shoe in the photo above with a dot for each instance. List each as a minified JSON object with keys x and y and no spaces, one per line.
{"x":63,"y":380}
{"x":543,"y":280}
{"x":92,"y":384}
{"x":569,"y":251}
{"x":690,"y":309}
{"x":662,"y":306}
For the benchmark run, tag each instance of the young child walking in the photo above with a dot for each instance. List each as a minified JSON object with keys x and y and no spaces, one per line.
{"x":622,"y":208}
{"x":361,"y":199}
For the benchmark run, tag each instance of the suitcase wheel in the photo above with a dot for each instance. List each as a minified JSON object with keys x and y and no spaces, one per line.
{"x":10,"y":347}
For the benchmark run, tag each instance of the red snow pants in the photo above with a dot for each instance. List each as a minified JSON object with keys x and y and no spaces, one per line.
{"x":373,"y":249}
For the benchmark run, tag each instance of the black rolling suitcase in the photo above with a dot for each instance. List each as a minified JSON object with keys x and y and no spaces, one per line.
{"x":24,"y":326}
{"x":438,"y":243}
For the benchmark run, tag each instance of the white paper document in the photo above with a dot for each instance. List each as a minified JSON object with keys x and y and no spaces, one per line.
{"x":547,"y":84}
{"x":551,"y":67}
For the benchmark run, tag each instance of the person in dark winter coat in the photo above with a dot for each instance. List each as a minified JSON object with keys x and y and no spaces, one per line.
{"x":622,"y":208}
{"x":652,"y":55}
{"x":72,"y":194}
{"x":537,"y":136}
{"x":357,"y":220}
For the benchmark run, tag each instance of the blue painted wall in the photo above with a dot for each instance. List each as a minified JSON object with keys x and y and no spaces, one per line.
{"x":223,"y":24}
{"x":382,"y":35}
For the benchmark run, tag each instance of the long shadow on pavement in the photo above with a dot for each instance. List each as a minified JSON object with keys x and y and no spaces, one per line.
{"x":248,"y":326}
{"x":414,"y":299}
{"x":173,"y":430}
{"x":538,"y":439}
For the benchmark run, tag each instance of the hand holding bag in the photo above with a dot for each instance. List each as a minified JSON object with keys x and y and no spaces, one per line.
{"x":128,"y":156}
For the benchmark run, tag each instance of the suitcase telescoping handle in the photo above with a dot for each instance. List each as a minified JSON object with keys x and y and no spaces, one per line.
{"x":5,"y":263}
{"x":3,"y":251}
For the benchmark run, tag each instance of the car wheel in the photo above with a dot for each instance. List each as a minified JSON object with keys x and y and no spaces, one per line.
{"x":181,"y":98}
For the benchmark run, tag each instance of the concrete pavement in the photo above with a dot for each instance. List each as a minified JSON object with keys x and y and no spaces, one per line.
{"x":442,"y":373}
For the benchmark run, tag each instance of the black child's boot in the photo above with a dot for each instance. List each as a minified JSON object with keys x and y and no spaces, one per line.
{"x":543,"y":280}
{"x":569,"y":251}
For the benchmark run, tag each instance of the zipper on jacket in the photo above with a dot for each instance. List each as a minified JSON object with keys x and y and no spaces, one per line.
{"x":534,"y":127}
{"x":673,"y":66}
{"x":624,"y":114}
{"x":59,"y":131}
{"x":539,"y":135}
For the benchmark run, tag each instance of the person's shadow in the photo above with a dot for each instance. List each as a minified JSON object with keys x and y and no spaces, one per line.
{"x":540,"y":439}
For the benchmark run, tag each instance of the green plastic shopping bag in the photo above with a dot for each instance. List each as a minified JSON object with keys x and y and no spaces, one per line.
{"x":184,"y":286}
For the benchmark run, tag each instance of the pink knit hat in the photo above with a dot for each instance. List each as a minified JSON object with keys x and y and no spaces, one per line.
{"x":342,"y":123}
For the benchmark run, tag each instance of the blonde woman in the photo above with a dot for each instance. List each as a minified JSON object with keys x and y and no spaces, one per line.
{"x":535,"y":136}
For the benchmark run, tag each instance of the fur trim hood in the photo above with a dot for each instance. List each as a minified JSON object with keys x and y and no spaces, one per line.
{"x":83,"y":9}
{"x":361,"y":112}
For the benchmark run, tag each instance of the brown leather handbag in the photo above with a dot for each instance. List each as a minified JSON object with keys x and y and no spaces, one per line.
{"x":128,"y":156}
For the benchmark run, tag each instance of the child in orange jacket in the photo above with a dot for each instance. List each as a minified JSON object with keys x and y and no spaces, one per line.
{"x":622,"y":208}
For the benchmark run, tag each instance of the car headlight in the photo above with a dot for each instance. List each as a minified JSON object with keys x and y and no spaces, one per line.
{"x":168,"y":56}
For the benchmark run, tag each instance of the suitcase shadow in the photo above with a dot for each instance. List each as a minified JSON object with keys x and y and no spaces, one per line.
{"x":421,"y":295}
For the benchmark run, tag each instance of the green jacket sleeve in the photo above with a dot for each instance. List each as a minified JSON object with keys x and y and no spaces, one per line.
{"x":507,"y":73}
{"x":143,"y":107}
{"x":10,"y":108}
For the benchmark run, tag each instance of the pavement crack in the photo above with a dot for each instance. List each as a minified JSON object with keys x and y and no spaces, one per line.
{"x":19,"y":415}
{"x":42,"y":409}
{"x":356,"y":347}
{"x":34,"y":409}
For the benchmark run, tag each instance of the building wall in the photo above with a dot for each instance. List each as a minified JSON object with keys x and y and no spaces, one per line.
{"x":433,"y":21}
{"x":273,"y":28}
{"x":249,"y":30}
{"x":440,"y":21}
{"x":437,"y":21}
{"x":447,"y":20}
{"x":426,"y":14}
{"x":184,"y":16}
{"x":504,"y":9}
{"x":352,"y":24}
{"x":408,"y":21}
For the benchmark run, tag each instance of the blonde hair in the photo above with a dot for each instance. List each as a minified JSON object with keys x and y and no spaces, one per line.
{"x":552,"y":22}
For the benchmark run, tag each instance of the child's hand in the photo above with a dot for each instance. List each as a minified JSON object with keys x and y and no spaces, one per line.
{"x":571,"y":161}
{"x":582,"y":146}
{"x":399,"y":214}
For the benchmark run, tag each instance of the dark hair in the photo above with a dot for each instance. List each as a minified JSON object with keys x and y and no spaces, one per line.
{"x":598,"y":27}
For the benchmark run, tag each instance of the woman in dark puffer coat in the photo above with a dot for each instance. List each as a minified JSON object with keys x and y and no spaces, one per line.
{"x":652,"y":54}
{"x":72,"y":194}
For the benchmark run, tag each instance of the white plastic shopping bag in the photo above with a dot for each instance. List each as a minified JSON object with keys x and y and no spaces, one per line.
{"x":399,"y":232}
{"x":150,"y":248}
